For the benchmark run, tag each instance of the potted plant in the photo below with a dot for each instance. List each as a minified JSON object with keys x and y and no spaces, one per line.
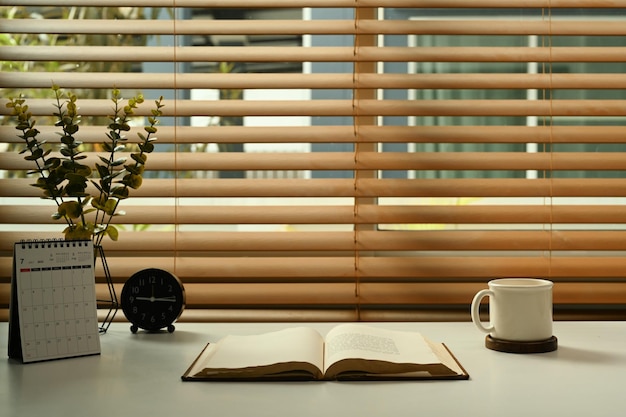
{"x":64,"y":177}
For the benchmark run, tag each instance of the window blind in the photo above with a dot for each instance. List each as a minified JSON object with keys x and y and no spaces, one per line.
{"x":342,"y":159}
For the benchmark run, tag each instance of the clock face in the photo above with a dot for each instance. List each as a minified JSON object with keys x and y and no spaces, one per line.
{"x":153,"y":299}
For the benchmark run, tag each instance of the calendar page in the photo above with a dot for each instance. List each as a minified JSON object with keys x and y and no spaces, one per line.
{"x":55,"y":298}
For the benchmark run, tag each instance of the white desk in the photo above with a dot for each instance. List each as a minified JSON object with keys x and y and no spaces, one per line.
{"x":139,"y":375}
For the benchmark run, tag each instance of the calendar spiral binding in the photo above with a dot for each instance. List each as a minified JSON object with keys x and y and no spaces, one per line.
{"x":52,"y":243}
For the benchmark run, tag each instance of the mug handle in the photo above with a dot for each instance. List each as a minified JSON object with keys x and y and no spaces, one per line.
{"x":476,"y":313}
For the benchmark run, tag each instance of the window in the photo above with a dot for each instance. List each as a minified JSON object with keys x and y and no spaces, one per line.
{"x":343,"y":159}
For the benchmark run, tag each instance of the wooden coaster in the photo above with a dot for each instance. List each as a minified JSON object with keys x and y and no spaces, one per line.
{"x":508,"y":346}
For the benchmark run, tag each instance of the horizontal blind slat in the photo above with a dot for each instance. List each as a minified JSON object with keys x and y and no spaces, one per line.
{"x":384,"y":270}
{"x":345,"y":134}
{"x":607,"y":107}
{"x":157,"y":243}
{"x":466,"y":187}
{"x":219,"y":27}
{"x":313,"y":81}
{"x":312,"y":54}
{"x":332,"y":214}
{"x":212,"y":81}
{"x":223,"y":3}
{"x":216,"y":161}
{"x":248,"y":108}
{"x":461,"y":4}
{"x":217,"y":243}
{"x":250,"y":295}
{"x":281,"y":27}
{"x":255,"y":134}
{"x":208,"y":54}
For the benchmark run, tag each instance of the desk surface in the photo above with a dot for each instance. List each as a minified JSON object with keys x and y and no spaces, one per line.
{"x":139,"y":375}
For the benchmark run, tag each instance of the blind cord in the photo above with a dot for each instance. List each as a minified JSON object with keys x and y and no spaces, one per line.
{"x":355,"y":127}
{"x":176,"y":171}
{"x":550,"y":141}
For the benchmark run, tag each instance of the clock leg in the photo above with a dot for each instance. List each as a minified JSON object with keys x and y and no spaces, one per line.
{"x":134,"y":328}
{"x":171,"y":328}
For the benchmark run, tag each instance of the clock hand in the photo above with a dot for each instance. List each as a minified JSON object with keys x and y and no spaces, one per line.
{"x":171,"y":299}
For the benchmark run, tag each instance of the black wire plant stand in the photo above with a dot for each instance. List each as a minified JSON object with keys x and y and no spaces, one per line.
{"x":111,"y":302}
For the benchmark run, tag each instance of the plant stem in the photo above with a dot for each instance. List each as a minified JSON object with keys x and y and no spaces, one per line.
{"x":67,"y":120}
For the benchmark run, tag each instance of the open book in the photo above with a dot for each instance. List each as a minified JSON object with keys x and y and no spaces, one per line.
{"x":350,"y":351}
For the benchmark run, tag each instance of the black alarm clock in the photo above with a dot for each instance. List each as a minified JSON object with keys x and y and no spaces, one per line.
{"x":152,"y":299}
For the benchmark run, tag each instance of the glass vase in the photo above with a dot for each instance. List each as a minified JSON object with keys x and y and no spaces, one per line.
{"x":111,"y":303}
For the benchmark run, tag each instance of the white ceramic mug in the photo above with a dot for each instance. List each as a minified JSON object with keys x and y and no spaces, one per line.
{"x":520,"y":309}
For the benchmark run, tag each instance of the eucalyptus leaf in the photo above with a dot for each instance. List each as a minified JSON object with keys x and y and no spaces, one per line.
{"x":71,"y":129}
{"x":102,"y":170}
{"x":70,"y":209}
{"x":51,"y":164}
{"x":139,"y":158}
{"x":133,"y":181}
{"x":113,"y":233}
{"x":148,"y":147}
{"x":95,"y":184}
{"x":120,"y":193}
{"x":98,"y":202}
{"x":78,"y":232}
{"x":30,"y":133}
{"x":110,"y":206}
{"x":133,"y":169}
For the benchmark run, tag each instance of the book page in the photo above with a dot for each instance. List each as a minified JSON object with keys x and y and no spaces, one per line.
{"x":350,"y":341}
{"x":298,"y":344}
{"x":445,"y":356}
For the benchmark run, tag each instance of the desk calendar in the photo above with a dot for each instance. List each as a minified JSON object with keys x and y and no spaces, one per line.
{"x":53,"y":311}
